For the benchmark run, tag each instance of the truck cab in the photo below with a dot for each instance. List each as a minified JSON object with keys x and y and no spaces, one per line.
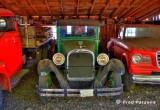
{"x":11,"y":53}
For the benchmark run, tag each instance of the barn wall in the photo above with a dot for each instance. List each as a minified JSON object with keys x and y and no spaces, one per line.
{"x":106,"y":32}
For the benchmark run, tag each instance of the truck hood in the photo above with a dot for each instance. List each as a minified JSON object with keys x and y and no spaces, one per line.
{"x":69,"y":45}
{"x":142,"y":43}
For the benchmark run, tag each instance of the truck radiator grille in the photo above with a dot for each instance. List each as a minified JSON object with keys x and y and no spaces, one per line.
{"x":158,"y":58}
{"x":80,"y":65}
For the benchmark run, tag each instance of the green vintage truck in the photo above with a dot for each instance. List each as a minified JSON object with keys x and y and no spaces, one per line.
{"x":79,"y":69}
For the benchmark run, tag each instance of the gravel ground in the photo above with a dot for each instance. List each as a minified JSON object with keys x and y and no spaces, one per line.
{"x":24,"y":97}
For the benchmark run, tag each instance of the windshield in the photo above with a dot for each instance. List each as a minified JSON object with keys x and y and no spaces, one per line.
{"x":7,"y":24}
{"x":77,"y":31}
{"x":146,"y":31}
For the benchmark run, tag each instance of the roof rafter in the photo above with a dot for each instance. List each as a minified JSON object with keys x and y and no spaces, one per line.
{"x":62,"y":8}
{"x":128,"y":9}
{"x":107,"y":5}
{"x":117,"y":9}
{"x":17,"y":4}
{"x":145,"y":8}
{"x":77,"y":7}
{"x":33,"y":6}
{"x":93,"y":3}
{"x":46,"y":2}
{"x":154,"y":13}
{"x":135,"y":9}
{"x":147,"y":12}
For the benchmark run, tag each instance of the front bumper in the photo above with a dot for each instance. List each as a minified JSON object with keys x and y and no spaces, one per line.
{"x":143,"y":69}
{"x":146,"y":79}
{"x":79,"y":92}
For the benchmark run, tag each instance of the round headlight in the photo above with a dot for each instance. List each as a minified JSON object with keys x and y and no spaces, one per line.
{"x":58,"y":59}
{"x":102,"y":59}
{"x":136,"y":59}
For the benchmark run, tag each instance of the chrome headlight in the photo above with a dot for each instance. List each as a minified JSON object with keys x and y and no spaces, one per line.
{"x":102,"y":59}
{"x":136,"y":59}
{"x":58,"y":59}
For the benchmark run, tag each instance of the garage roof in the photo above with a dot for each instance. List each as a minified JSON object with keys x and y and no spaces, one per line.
{"x":92,"y":9}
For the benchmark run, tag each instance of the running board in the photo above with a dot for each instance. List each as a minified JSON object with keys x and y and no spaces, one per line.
{"x":15,"y":79}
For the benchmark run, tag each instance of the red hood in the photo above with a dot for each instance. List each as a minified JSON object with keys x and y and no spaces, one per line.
{"x":145,"y":44}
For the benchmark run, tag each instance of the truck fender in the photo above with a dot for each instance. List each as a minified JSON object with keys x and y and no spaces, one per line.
{"x":110,"y":45}
{"x":124,"y":58}
{"x":114,"y":65}
{"x":4,"y":79}
{"x":46,"y":66}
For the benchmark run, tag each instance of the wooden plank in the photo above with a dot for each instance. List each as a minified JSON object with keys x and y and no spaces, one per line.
{"x":77,"y":7}
{"x":94,"y":1}
{"x":150,"y":14}
{"x":128,"y":9}
{"x":46,"y":2}
{"x":118,"y":9}
{"x":33,"y":7}
{"x":62,"y":8}
{"x":147,"y":11}
{"x":105,"y":8}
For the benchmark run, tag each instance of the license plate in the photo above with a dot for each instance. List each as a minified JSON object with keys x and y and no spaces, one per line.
{"x":86,"y":93}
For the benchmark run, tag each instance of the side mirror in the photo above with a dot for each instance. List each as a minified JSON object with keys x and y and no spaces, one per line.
{"x":3,"y":24}
{"x":16,"y":17}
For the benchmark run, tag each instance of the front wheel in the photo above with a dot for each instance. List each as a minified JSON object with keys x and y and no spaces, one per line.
{"x":128,"y":84}
{"x":114,"y":80}
{"x":1,"y":99}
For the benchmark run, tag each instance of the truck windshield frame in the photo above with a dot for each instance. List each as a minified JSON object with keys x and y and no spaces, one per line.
{"x":77,"y":31}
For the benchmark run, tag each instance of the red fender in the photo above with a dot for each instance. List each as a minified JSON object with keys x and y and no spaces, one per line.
{"x":4,"y":79}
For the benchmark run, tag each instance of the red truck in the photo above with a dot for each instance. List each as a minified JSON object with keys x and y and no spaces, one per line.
{"x":138,"y":46}
{"x":11,"y":59}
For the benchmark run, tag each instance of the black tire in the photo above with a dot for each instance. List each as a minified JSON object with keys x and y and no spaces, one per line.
{"x":42,"y":84}
{"x":1,"y":99}
{"x":116,"y":78}
{"x":128,"y":85}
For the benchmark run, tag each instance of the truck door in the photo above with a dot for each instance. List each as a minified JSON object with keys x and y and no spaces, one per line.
{"x":10,"y":45}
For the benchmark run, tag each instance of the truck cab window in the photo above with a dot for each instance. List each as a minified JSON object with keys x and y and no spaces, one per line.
{"x":7,"y":24}
{"x":130,"y":32}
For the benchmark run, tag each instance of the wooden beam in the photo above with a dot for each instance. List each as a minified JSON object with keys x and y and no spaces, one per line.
{"x":146,"y":11}
{"x":128,"y":9}
{"x":77,"y":7}
{"x":93,"y":3}
{"x":156,"y":12}
{"x":107,"y":5}
{"x":146,"y":8}
{"x":62,"y":8}
{"x":150,"y":11}
{"x":135,"y":9}
{"x":118,"y":9}
{"x":46,"y":2}
{"x":22,"y":10}
{"x":30,"y":3}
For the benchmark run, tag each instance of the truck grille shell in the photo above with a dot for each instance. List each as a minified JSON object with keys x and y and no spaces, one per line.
{"x":80,"y":65}
{"x":158,"y":59}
